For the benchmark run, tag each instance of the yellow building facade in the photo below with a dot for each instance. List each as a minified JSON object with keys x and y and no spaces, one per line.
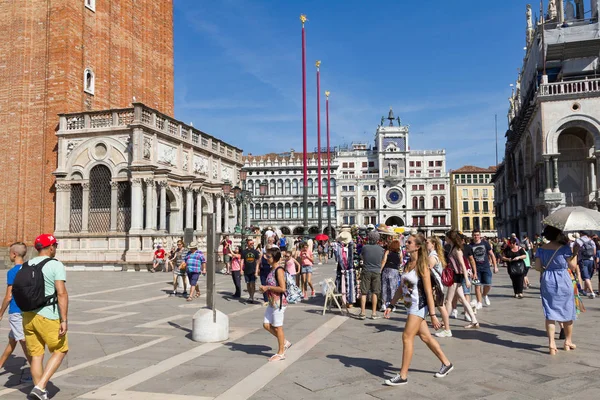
{"x":472,"y":200}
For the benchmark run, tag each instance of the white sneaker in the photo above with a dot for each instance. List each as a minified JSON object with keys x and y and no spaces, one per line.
{"x":454,"y":313}
{"x":467,"y":317}
{"x":592,"y":295}
{"x":383,"y":308}
{"x":443,"y":333}
{"x":479,"y":306}
{"x":486,"y":301}
{"x":473,"y":302}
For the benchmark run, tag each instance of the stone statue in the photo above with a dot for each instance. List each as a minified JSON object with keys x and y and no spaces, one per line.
{"x":399,"y":122}
{"x":147,"y":147}
{"x":70,"y":147}
{"x":569,"y":11}
{"x":382,"y":119}
{"x":185,"y":161}
{"x":511,"y":108}
{"x":215,"y":171}
{"x":529,"y":32}
{"x":552,"y":14}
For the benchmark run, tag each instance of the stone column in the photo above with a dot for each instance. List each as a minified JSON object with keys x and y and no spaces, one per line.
{"x":593,"y":186}
{"x":555,"y":165}
{"x":63,"y":207}
{"x":560,"y":9}
{"x":136,"y":205}
{"x":85,"y":207}
{"x":218,"y":204}
{"x":247,"y":222}
{"x":180,"y":222}
{"x":114,"y":205}
{"x":189,"y":207}
{"x":163,"y":205}
{"x":149,"y":202}
{"x":548,"y":174}
{"x":528,"y":195}
{"x":226,"y":206}
{"x":199,"y":211}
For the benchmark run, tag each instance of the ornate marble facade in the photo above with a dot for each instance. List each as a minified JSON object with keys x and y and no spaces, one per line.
{"x":128,"y":179}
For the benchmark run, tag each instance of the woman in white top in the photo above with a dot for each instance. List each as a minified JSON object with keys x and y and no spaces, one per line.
{"x":415,"y":288}
{"x":437,"y":262}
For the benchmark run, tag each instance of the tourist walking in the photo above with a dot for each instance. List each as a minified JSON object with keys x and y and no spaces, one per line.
{"x":457,"y":263}
{"x":345,"y":281}
{"x":306,"y":261}
{"x":179,"y":270}
{"x":370,"y":278}
{"x":45,"y":326}
{"x":585,"y":257}
{"x":514,"y":256}
{"x":195,"y":264}
{"x":390,"y":274}
{"x":226,"y":246}
{"x":415,"y":289}
{"x":558,"y":300}
{"x":275,"y":289}
{"x":16,"y":253}
{"x":236,"y":266}
{"x":437,"y":263}
{"x":484,"y":260}
{"x":250,"y":258}
{"x":292,"y":265}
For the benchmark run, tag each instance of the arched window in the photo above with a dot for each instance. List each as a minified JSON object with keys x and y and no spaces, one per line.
{"x":89,"y":81}
{"x":295,"y":210}
{"x":351,"y":203}
{"x":415,"y":203}
{"x":280,"y":211}
{"x":100,"y":195}
{"x":422,"y":203}
{"x":295,"y":186}
{"x":435,"y":203}
{"x":324,"y":186}
{"x":310,"y":187}
{"x":366,"y":203}
{"x":288,"y":210}
{"x":301,"y":210}
{"x":250,"y":187}
{"x":272,"y":210}
{"x":76,"y":208}
{"x":332,"y":210}
{"x":251,"y":211}
{"x":309,"y":210}
{"x":123,"y":206}
{"x":373,"y":203}
{"x":272,"y":187}
{"x":287,"y":189}
{"x":332,"y":186}
{"x":442,"y":202}
{"x":280,"y":187}
{"x":345,"y":203}
{"x":265,"y":212}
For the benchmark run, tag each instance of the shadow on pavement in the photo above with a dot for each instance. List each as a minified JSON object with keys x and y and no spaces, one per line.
{"x":491,"y":338}
{"x":183,"y":328}
{"x":250,"y":348}
{"x":377,"y":368}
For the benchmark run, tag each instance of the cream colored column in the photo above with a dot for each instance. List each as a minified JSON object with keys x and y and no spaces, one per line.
{"x":189,"y":207}
{"x":199,"y":211}
{"x":63,"y":207}
{"x":218,"y":205}
{"x":163,"y":205}
{"x":149,"y":202}
{"x":114,"y":205}
{"x":85,"y":207}
{"x":136,"y":205}
{"x":226,"y":206}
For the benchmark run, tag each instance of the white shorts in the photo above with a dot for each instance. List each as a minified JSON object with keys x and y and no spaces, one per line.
{"x":274,"y":316}
{"x":16,"y":326}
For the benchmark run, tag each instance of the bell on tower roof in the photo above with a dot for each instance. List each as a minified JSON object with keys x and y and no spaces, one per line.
{"x":391,"y":117}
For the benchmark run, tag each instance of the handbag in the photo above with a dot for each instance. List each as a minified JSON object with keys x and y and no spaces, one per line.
{"x":516,"y":267}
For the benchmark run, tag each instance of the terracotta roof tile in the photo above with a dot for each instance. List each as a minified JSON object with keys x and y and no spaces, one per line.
{"x":473,"y":169}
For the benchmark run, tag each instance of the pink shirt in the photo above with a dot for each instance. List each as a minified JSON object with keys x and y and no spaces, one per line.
{"x":291,"y":267}
{"x":236,"y":264}
{"x":305,"y":259}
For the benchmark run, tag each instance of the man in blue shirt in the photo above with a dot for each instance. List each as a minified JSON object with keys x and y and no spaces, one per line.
{"x":17,"y":252}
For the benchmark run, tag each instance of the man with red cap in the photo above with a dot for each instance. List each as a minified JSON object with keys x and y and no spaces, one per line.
{"x":47,"y":326}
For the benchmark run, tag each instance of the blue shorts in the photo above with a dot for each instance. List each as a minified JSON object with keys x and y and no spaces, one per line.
{"x":193,"y":277}
{"x":250,"y":278}
{"x":587,"y":269}
{"x":307,"y":269}
{"x":485,"y":275}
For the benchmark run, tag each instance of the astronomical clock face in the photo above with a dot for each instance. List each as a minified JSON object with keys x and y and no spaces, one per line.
{"x":394,"y":196}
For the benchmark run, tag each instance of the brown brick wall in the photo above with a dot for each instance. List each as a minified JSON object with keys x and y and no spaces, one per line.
{"x":45,"y":47}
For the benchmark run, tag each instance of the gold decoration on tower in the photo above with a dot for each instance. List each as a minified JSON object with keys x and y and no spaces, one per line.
{"x":303,"y":18}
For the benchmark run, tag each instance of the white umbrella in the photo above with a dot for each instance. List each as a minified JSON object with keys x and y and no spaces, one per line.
{"x":571,"y":219}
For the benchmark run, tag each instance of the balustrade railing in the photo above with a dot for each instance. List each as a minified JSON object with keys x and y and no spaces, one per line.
{"x":572,"y":87}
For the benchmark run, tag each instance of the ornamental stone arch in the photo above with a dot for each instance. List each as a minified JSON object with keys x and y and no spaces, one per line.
{"x":86,"y":154}
{"x":592,"y":125}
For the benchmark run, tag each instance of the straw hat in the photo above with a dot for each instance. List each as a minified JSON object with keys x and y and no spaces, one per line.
{"x":345,"y":237}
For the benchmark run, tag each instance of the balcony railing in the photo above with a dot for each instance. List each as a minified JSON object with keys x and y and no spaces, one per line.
{"x":566,"y":88}
{"x":357,"y":177}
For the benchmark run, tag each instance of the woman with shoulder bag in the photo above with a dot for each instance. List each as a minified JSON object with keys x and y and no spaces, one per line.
{"x":416,"y":290}
{"x":514,"y":256}
{"x":554,"y":260}
{"x":437,"y":262}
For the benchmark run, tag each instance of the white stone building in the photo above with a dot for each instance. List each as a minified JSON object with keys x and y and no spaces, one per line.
{"x":281,"y":206}
{"x":128,"y":179}
{"x":553,"y":141}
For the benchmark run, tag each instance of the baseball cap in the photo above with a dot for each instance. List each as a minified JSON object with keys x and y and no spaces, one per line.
{"x":44,"y":240}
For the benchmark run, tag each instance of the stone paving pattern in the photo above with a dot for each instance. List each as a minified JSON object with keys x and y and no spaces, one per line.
{"x":125,"y":323}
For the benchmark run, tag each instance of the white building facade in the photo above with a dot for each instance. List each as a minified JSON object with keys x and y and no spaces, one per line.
{"x":552,"y":152}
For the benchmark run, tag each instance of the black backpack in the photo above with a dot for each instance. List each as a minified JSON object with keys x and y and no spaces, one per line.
{"x":28,"y":289}
{"x":587,"y":249}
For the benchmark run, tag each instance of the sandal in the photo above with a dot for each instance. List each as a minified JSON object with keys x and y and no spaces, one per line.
{"x":277,"y":357}
{"x":190,"y":298}
{"x":197,"y":295}
{"x":472,"y":326}
{"x":286,"y":346}
{"x":552,"y":351}
{"x":569,"y":347}
{"x":362,"y":316}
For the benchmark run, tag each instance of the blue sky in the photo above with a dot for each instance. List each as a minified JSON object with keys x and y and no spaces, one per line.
{"x":444,"y":66}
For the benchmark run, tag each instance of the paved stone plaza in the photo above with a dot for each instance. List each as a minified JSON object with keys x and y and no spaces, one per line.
{"x":130,"y":340}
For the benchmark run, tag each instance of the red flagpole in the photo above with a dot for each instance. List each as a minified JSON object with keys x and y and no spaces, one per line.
{"x":328,"y":165}
{"x":320,"y":208}
{"x":304,"y":142}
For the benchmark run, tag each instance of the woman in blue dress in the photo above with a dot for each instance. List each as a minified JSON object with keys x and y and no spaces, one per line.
{"x":554,"y":259}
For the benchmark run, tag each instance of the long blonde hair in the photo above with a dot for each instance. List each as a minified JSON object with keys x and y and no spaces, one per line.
{"x":439,"y":249}
{"x":422,"y":255}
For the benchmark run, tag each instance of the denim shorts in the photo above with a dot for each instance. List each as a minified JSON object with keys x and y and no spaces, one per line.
{"x":307,"y":269}
{"x":250,"y":278}
{"x":485,"y":276}
{"x":587,"y":269}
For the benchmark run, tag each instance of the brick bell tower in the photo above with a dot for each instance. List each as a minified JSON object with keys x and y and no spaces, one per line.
{"x":62,"y":56}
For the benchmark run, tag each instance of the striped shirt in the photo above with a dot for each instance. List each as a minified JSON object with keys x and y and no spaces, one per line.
{"x":194,"y":261}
